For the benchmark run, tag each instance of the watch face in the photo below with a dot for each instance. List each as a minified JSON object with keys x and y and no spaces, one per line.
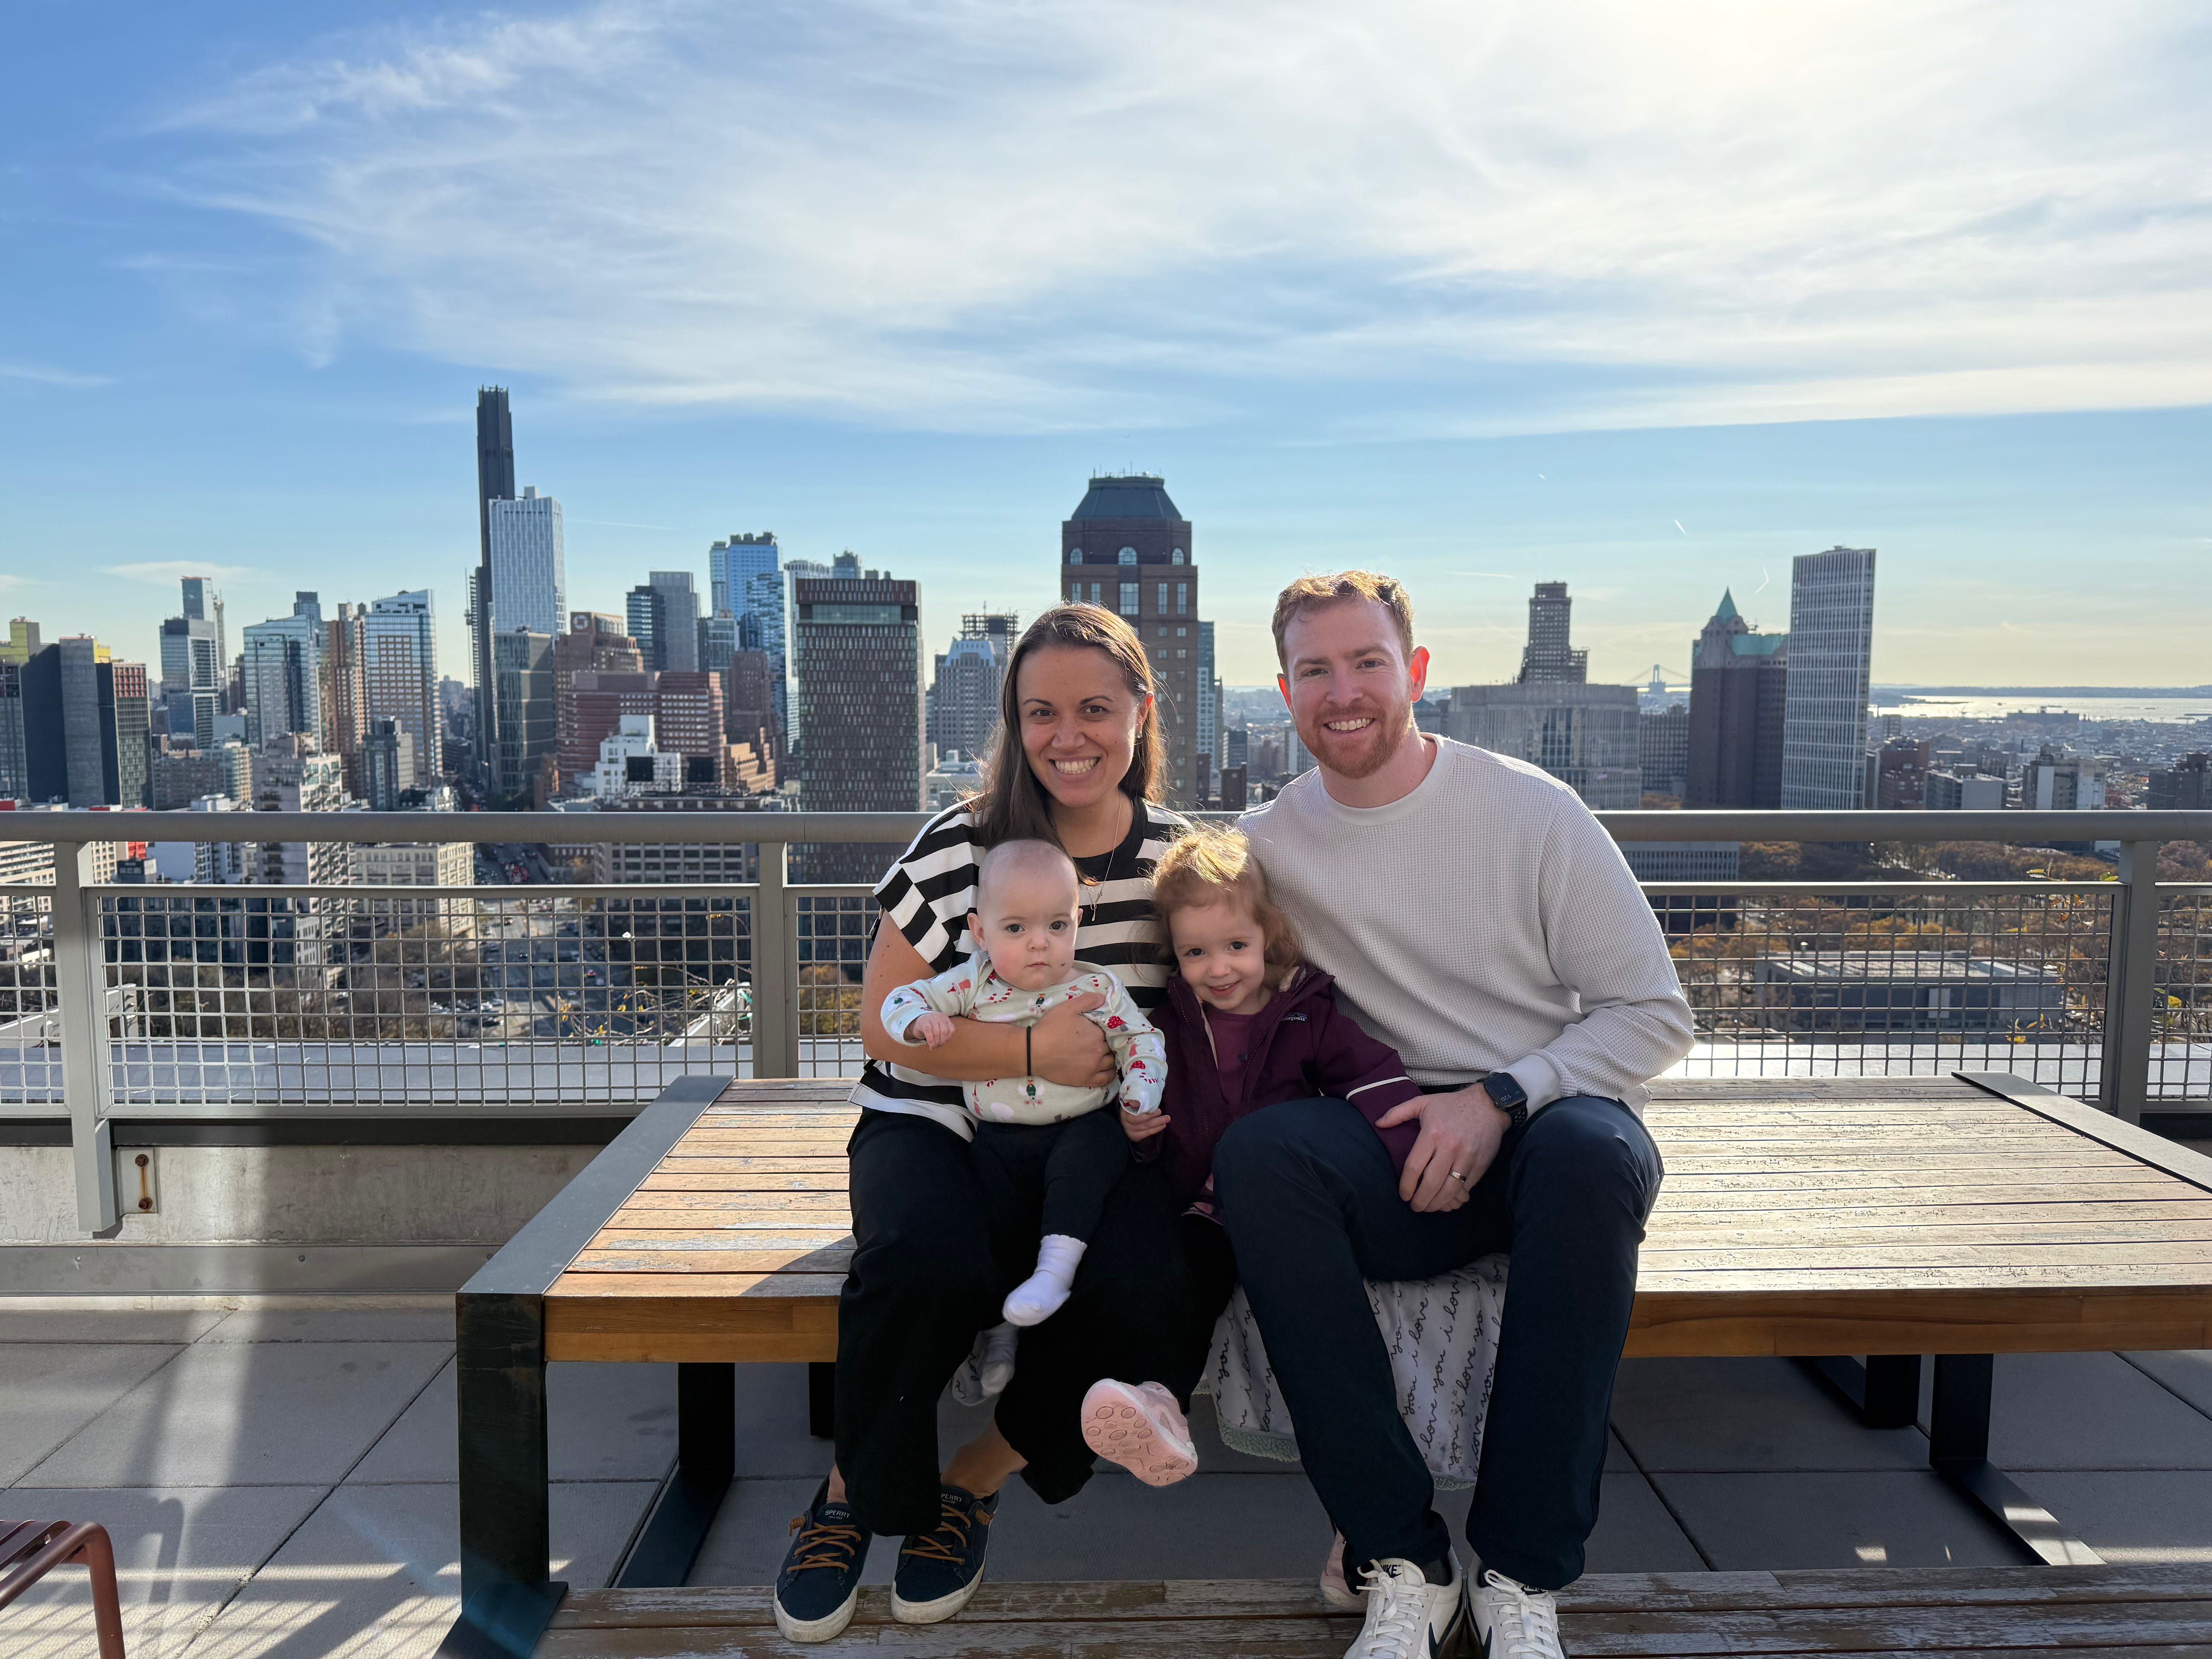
{"x":1503,"y":1092}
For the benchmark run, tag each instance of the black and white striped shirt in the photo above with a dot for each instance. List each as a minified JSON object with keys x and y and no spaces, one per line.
{"x":929,"y":890}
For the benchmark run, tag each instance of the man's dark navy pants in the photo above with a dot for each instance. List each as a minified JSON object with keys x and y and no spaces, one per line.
{"x":1311,"y":1205}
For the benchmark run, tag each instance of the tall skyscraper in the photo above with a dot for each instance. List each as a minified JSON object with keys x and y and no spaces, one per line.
{"x":1584,"y":735}
{"x":964,"y":693}
{"x":1128,"y":549}
{"x":523,"y":664}
{"x":85,"y":720}
{"x":282,"y":673}
{"x":664,"y":620}
{"x":194,"y":659}
{"x":1739,"y":690}
{"x":1548,"y":657}
{"x":745,"y":577}
{"x":495,"y":483}
{"x":345,"y":691}
{"x":1831,"y":659}
{"x":1209,"y":712}
{"x":14,"y":762}
{"x":203,"y":603}
{"x":399,"y":667}
{"x":529,"y":564}
{"x":796,"y":571}
{"x":857,"y":662}
{"x":730,"y":564}
{"x":127,"y":734}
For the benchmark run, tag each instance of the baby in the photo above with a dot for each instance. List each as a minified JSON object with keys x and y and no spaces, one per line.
{"x":1044,"y":1148}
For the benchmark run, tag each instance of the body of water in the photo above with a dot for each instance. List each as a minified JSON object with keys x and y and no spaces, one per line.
{"x":1989,"y":706}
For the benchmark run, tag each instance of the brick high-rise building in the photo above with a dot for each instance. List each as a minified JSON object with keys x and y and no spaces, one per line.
{"x":594,"y":644}
{"x":1739,"y":688}
{"x":1127,"y":548}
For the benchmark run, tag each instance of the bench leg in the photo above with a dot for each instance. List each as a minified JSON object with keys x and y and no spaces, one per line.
{"x":1959,"y":1450}
{"x":508,"y":1597}
{"x":1885,"y":1391}
{"x":822,"y":1399}
{"x":706,"y":1459}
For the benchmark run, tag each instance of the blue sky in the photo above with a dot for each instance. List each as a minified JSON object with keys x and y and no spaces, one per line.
{"x":1644,"y":298}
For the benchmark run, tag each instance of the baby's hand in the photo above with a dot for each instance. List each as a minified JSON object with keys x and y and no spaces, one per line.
{"x":931,"y":1028}
{"x":1142,"y":1126}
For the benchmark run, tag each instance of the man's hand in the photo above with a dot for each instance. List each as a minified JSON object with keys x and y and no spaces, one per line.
{"x":1460,"y":1131}
{"x":933,"y":1028}
{"x":1142,"y":1126}
{"x":1064,"y":1048}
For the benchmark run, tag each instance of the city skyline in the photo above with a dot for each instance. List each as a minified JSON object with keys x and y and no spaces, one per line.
{"x":1566,"y":329}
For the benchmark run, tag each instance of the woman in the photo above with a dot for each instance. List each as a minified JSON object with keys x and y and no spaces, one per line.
{"x":1078,"y":763}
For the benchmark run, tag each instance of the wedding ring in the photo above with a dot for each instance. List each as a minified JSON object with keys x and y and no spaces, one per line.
{"x":1460,"y":1178}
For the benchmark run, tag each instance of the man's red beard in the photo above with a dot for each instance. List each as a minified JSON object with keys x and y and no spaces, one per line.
{"x":1381,"y":739}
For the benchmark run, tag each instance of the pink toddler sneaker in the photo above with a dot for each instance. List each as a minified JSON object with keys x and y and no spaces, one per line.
{"x":1140,"y":1428}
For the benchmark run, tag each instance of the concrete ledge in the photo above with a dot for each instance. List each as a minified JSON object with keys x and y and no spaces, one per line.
{"x":97,"y":1268}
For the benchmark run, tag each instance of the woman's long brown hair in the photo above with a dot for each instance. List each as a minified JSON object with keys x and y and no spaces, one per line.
{"x":1014,"y":805}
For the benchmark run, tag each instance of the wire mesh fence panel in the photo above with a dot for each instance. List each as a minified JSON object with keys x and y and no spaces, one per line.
{"x":1859,"y":983}
{"x":835,"y":928}
{"x":2181,"y":1025}
{"x":30,"y":1038}
{"x":398,"y":997}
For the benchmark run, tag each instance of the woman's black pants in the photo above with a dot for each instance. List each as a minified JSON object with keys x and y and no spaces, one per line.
{"x":924,"y":1280}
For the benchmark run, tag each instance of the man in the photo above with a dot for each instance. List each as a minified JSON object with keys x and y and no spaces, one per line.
{"x":1478,"y":918}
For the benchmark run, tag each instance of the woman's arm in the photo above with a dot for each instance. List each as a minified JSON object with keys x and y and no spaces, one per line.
{"x":1064,"y":1046}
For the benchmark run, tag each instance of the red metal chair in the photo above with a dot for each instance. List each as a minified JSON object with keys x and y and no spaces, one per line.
{"x":29,"y":1550}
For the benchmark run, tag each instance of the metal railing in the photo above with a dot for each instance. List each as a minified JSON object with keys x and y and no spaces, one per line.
{"x":254,"y":1000}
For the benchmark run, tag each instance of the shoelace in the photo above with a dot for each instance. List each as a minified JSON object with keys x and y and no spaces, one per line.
{"x":1397,"y":1616}
{"x":950,"y":1541}
{"x":1534,"y":1632}
{"x":824,"y":1544}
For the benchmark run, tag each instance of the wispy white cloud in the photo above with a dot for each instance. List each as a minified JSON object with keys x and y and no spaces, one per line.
{"x":167,"y":572}
{"x":1055,"y":214}
{"x":49,"y":376}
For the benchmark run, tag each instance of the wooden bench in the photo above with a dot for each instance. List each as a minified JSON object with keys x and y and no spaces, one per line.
{"x":1958,"y":1217}
{"x":2124,"y":1611}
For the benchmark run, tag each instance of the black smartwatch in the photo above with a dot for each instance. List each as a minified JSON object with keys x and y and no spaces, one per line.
{"x":1509,"y":1096}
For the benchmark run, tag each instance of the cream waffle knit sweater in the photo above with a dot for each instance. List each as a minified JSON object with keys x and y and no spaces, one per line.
{"x":1484,"y":922}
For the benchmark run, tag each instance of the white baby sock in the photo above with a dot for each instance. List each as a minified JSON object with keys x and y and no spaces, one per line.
{"x":1039,"y":1297}
{"x":999,"y":1358}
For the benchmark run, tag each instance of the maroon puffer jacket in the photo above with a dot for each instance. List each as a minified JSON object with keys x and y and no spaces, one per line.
{"x":1304,"y":1046}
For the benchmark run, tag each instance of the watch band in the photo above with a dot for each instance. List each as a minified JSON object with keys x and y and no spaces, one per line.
{"x":1508,"y":1095}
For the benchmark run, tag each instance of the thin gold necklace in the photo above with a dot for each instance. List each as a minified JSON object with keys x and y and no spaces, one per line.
{"x":1090,"y":910}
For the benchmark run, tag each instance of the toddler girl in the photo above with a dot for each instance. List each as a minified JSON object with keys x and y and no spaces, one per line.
{"x":1247,"y":1024}
{"x":1044,"y":1148}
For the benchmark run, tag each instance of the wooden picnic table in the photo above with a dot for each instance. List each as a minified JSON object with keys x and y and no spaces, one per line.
{"x":1825,"y":1219}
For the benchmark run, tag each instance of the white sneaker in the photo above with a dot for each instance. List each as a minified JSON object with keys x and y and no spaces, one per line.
{"x":1334,"y":1590}
{"x":1515,"y":1622}
{"x":1409,"y":1618}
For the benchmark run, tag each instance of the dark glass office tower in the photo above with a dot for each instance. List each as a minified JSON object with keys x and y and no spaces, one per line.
{"x":859,"y":671}
{"x":495,"y":483}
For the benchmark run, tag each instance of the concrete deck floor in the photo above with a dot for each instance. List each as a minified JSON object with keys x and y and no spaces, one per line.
{"x":278,"y":1475}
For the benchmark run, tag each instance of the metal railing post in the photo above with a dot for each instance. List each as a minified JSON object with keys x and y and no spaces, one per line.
{"x":80,"y":1011}
{"x":775,"y":967}
{"x":2131,"y":984}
